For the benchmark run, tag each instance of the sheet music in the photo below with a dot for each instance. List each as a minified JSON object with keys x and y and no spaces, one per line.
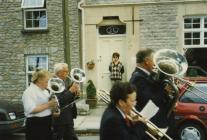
{"x":164,"y":130}
{"x":149,"y":110}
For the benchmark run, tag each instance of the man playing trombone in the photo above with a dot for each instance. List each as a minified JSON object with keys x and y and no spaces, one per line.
{"x":117,"y":122}
{"x":148,"y":89}
{"x":64,"y":124}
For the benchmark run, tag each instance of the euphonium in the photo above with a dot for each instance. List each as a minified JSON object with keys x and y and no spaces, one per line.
{"x":77,"y":75}
{"x":56,"y":85}
{"x":152,"y":130}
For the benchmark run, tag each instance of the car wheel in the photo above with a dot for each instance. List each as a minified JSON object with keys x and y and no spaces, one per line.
{"x":191,"y":131}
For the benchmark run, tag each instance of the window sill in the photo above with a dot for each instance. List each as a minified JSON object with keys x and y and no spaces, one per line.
{"x":35,"y":31}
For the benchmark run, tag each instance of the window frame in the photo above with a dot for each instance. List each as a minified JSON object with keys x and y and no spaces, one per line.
{"x":35,"y":10}
{"x":28,"y":72}
{"x":201,"y":30}
{"x":32,"y":6}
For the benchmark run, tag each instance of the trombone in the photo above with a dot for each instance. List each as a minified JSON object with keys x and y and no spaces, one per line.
{"x":152,"y":130}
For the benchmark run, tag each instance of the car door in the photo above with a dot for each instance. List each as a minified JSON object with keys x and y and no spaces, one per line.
{"x":193,"y":102}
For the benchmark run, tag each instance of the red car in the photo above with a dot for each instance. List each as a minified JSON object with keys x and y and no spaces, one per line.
{"x":191,"y":111}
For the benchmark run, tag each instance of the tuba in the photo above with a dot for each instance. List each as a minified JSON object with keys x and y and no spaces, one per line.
{"x":170,"y":63}
{"x":170,"y":66}
{"x":56,"y":85}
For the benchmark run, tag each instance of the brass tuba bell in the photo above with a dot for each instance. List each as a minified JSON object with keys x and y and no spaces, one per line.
{"x":170,"y":62}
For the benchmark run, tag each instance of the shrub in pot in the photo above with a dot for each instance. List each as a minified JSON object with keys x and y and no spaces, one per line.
{"x":91,"y":94}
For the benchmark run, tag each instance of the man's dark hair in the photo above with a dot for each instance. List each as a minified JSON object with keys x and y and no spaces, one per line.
{"x":121,"y":90}
{"x":142,"y":54}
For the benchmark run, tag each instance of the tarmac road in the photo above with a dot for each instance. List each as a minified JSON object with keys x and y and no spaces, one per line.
{"x":21,"y":136}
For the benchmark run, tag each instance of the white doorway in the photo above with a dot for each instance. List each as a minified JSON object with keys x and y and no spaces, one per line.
{"x":107,"y":45}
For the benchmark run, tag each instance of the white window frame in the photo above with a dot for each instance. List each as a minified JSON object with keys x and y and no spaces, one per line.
{"x":32,"y":3}
{"x":192,"y":30}
{"x":29,"y":72}
{"x":35,"y":28}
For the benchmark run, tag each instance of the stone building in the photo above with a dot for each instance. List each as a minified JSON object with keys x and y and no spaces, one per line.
{"x":49,"y":31}
{"x":125,"y":26}
{"x":35,"y":34}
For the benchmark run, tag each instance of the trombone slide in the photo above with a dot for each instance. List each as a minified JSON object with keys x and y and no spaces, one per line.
{"x":154,"y":131}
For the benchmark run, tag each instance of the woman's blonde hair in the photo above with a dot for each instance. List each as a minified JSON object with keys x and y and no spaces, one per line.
{"x":40,"y":74}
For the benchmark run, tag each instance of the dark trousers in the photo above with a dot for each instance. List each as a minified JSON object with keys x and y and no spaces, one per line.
{"x":39,"y":128}
{"x":64,"y":132}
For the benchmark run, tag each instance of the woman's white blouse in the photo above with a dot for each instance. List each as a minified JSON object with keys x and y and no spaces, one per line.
{"x":32,"y":97}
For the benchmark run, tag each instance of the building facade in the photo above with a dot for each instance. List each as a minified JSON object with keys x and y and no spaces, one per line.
{"x":35,"y":34}
{"x":126,"y":26}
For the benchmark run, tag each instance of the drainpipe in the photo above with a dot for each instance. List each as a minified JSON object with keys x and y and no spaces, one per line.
{"x":66,"y":36}
{"x":82,"y":32}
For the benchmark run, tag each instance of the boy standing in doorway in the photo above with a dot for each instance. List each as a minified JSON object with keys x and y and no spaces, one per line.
{"x":116,"y":68}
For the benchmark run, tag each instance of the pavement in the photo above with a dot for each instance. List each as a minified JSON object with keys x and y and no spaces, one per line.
{"x":89,"y":122}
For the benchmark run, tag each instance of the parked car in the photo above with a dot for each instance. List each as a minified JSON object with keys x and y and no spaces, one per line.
{"x":191,"y":111}
{"x":11,"y":117}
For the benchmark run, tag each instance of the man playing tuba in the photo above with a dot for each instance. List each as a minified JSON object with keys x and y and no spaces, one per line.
{"x":148,"y":89}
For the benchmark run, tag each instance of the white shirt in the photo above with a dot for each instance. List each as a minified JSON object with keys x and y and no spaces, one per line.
{"x":122,"y":113}
{"x":144,"y":70}
{"x":32,"y":97}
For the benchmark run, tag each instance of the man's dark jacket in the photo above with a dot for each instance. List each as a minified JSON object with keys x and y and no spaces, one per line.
{"x":68,"y":114}
{"x":148,"y":89}
{"x":114,"y":126}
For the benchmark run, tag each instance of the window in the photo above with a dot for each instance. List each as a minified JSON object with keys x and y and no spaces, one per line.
{"x":195,"y":32}
{"x":34,"y":62}
{"x":35,"y":19}
{"x":32,"y":3}
{"x":192,"y":95}
{"x":35,"y":14}
{"x":112,"y":29}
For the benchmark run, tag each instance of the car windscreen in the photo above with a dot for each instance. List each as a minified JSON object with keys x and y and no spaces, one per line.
{"x":196,"y":94}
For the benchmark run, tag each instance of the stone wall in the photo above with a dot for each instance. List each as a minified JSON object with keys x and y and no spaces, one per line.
{"x":74,"y":33}
{"x":114,"y":2}
{"x":158,"y":26}
{"x":15,"y":45}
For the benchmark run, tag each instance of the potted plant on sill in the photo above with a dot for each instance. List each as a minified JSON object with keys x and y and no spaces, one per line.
{"x":90,"y":64}
{"x":91,"y":94}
